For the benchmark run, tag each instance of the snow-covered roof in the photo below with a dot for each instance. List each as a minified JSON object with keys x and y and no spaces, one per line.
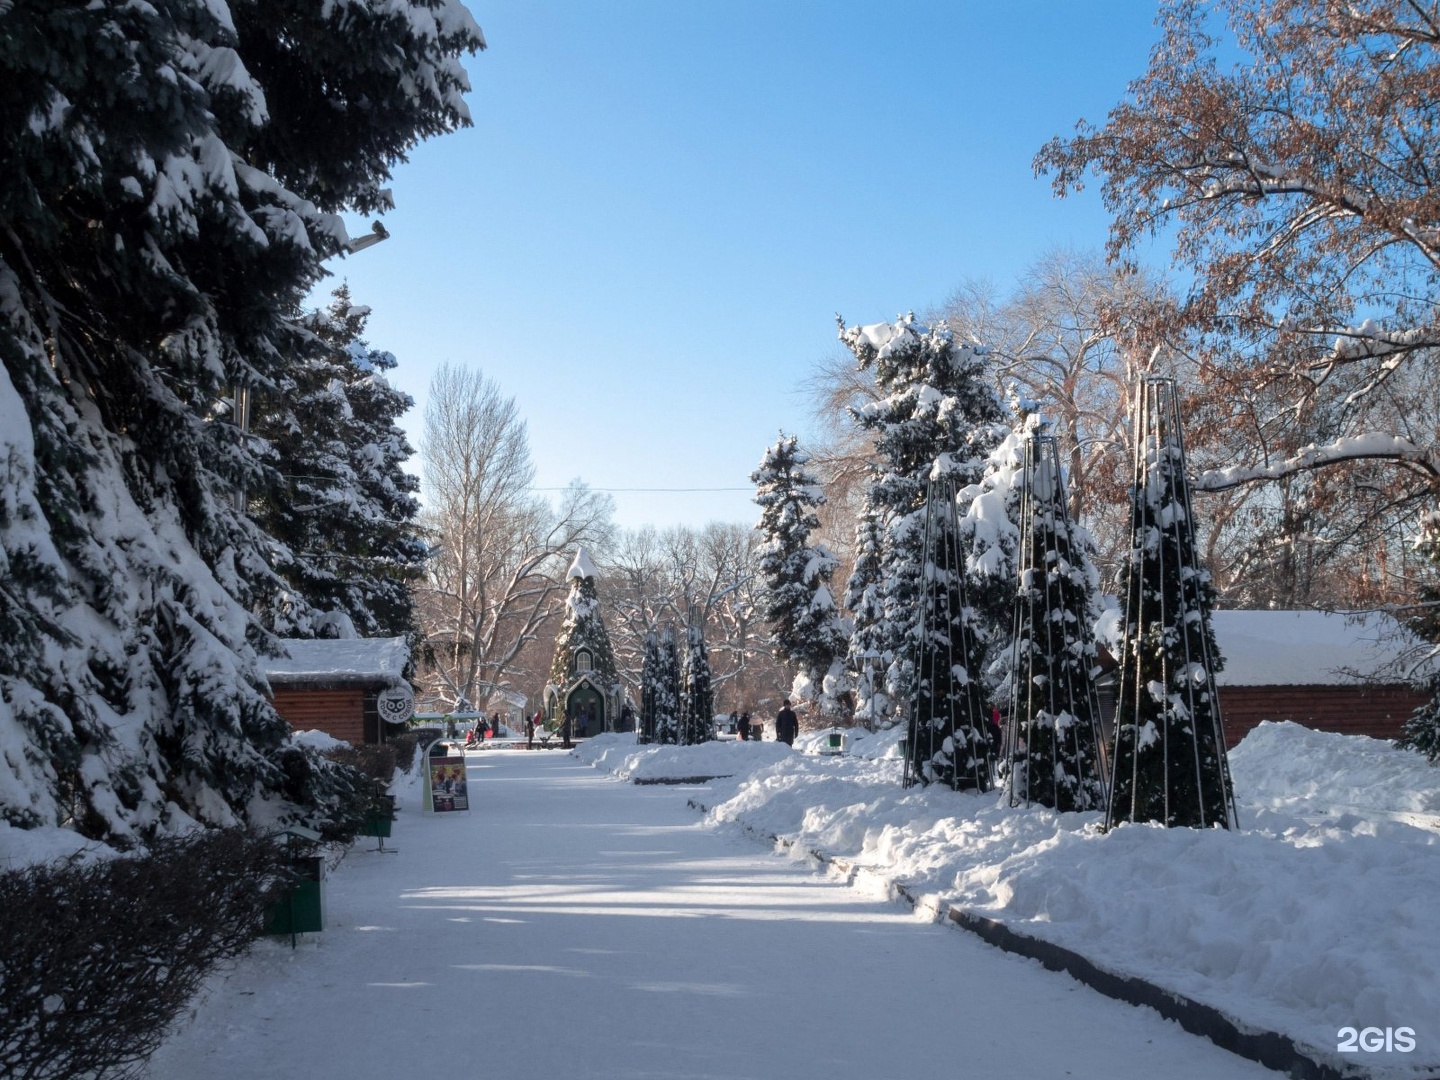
{"x":582,"y":567}
{"x":357,"y":660}
{"x":1296,"y":648}
{"x":1305,"y":648}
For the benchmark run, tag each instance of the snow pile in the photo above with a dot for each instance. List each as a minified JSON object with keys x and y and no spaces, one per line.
{"x":48,"y":843}
{"x":1313,"y":917}
{"x":582,"y":567}
{"x":620,"y":755}
{"x":319,"y":740}
{"x":858,"y":742}
{"x":1287,"y":768}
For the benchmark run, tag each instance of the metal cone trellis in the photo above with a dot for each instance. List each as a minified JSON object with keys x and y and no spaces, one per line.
{"x":1053,"y":735}
{"x":1168,"y":762}
{"x":946,"y":738}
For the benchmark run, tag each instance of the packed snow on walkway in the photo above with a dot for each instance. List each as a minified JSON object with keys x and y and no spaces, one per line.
{"x":570,"y":925}
{"x":672,"y":764}
{"x":1317,"y":915}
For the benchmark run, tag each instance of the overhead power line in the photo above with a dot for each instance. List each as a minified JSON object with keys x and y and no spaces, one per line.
{"x":612,"y":490}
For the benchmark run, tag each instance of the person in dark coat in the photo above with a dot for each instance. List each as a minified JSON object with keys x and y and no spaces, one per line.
{"x":742,"y":726}
{"x":787,"y":724}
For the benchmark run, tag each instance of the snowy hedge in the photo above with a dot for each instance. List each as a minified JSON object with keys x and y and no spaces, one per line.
{"x":98,"y":957}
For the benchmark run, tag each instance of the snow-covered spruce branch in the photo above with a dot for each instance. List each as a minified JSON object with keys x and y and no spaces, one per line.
{"x":1372,"y":446}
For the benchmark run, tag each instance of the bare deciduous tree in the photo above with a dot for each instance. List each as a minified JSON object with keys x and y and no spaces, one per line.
{"x":702,"y":577}
{"x":1289,"y":148}
{"x":499,"y":552}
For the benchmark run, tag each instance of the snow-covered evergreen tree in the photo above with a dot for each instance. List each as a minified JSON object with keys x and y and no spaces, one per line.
{"x":948,"y":735}
{"x":174,"y":177}
{"x":1169,"y":762}
{"x":798,"y":602}
{"x":990,"y":537}
{"x":647,"y":730}
{"x":1054,"y":710}
{"x":1422,"y":728}
{"x":338,"y":497}
{"x":666,"y":689}
{"x":583,"y":630}
{"x":936,"y":412}
{"x":865,"y":659}
{"x":697,"y":699}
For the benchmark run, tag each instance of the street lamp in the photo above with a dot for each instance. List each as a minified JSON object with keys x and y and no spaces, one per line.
{"x":378,"y":232}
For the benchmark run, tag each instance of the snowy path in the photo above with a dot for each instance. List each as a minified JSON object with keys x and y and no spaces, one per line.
{"x":573,"y":925}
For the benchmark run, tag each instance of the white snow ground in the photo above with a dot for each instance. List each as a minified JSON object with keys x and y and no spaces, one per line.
{"x":1317,"y":915}
{"x":575,"y":925}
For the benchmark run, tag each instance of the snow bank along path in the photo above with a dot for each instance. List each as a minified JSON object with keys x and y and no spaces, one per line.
{"x":575,"y":925}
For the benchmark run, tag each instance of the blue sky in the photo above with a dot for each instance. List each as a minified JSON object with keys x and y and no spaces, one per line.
{"x":647,"y":234}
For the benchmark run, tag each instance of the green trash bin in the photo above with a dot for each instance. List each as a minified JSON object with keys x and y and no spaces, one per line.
{"x":379,"y":816}
{"x":300,"y":908}
{"x":377,"y":821}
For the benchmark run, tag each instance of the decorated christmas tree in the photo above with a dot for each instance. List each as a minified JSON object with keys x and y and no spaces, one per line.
{"x":807,"y":628}
{"x":697,"y":699}
{"x":665,"y":690}
{"x":948,"y":736}
{"x":1169,"y":759}
{"x":1054,"y":730}
{"x":645,"y":731}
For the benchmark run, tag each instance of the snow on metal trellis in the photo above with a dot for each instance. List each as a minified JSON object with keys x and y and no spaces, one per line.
{"x":947,"y":741}
{"x":1169,"y":762}
{"x":1054,"y":726}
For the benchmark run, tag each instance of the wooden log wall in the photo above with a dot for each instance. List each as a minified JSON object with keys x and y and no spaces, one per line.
{"x":337,"y":712}
{"x":1379,"y":712}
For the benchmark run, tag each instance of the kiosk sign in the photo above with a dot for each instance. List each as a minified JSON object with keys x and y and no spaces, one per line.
{"x":396,"y":704}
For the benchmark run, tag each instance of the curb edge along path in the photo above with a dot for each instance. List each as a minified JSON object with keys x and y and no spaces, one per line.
{"x":1268,"y":1048}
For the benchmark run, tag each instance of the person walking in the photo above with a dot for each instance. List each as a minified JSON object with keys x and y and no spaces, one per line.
{"x":743,"y":727}
{"x":787,"y":724}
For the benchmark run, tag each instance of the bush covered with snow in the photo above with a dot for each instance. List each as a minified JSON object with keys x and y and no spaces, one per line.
{"x":329,"y":795}
{"x":98,"y":956}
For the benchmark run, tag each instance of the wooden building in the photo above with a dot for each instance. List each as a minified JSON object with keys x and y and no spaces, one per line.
{"x":353,"y":689}
{"x":1323,"y":671}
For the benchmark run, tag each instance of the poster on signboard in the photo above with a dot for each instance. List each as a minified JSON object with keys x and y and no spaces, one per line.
{"x":447,"y":784}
